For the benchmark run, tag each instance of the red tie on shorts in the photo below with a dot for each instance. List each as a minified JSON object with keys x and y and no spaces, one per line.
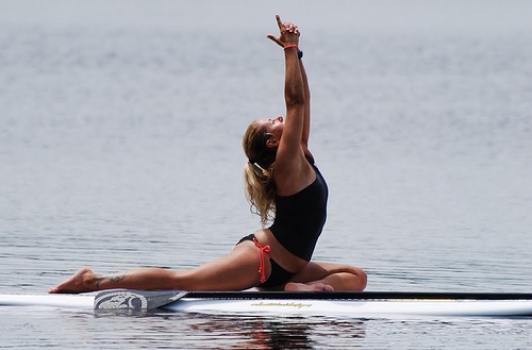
{"x":263,"y":250}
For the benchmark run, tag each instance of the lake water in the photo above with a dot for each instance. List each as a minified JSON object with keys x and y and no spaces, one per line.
{"x":120,"y":146}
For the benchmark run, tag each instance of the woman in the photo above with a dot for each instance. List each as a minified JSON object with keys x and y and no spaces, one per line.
{"x":281,"y":179}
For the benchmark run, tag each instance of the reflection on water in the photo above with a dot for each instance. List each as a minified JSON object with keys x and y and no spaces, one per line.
{"x":83,"y":330}
{"x":271,"y":333}
{"x":229,"y":332}
{"x":194,"y":331}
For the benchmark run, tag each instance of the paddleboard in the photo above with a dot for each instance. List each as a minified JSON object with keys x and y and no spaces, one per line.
{"x":290,"y":304}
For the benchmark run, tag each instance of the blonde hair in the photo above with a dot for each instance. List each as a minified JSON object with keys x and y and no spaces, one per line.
{"x":258,"y":172}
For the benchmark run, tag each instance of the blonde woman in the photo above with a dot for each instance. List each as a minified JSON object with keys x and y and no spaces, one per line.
{"x":283,"y":184}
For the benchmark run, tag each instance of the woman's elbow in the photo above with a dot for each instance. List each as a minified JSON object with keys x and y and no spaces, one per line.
{"x":295,"y":100}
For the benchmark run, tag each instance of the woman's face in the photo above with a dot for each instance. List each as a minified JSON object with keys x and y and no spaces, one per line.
{"x":273,"y":126}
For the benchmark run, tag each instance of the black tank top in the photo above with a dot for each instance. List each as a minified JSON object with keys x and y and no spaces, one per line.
{"x":299,"y":218}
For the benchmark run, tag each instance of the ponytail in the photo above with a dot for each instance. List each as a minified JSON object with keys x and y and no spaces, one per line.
{"x":258,"y":172}
{"x":260,"y":191}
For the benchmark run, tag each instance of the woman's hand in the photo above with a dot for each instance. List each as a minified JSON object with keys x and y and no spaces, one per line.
{"x":289,"y":34}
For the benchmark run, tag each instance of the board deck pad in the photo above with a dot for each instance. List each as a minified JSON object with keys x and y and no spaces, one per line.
{"x":135,"y":300}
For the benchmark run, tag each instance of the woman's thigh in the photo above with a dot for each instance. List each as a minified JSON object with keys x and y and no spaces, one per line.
{"x":234,"y":271}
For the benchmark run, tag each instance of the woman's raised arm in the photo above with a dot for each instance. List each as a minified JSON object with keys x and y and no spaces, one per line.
{"x":306,"y":90}
{"x":294,"y":91}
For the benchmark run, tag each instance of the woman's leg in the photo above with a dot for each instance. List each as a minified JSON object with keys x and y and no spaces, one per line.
{"x":236,"y":271}
{"x":328,"y":276}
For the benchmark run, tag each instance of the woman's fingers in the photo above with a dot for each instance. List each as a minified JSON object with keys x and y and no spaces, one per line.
{"x":290,"y":27}
{"x":275,"y":39}
{"x":287,"y":29}
{"x":278,"y":18}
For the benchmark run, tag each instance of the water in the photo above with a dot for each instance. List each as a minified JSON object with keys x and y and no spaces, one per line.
{"x":120,"y":146}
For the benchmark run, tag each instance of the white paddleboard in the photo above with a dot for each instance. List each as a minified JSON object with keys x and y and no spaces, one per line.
{"x":289,"y":304}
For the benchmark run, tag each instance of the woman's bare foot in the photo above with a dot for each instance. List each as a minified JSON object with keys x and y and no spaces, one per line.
{"x":314,"y":287}
{"x":81,"y":281}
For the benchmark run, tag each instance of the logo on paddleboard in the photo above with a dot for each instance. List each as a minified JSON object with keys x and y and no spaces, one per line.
{"x":120,"y":300}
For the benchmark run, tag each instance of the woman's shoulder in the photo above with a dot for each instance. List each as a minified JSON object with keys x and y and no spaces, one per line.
{"x":298,"y":175}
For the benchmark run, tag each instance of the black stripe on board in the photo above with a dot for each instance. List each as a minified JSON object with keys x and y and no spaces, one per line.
{"x":226,"y":295}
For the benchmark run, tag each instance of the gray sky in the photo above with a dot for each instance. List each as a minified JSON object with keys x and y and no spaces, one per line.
{"x":488,"y":16}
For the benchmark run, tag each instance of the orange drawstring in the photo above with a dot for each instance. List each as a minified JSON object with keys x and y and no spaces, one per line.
{"x":263,"y":250}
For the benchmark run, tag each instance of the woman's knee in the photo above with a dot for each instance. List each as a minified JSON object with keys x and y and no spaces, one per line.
{"x":358,"y":278}
{"x":362,"y":276}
